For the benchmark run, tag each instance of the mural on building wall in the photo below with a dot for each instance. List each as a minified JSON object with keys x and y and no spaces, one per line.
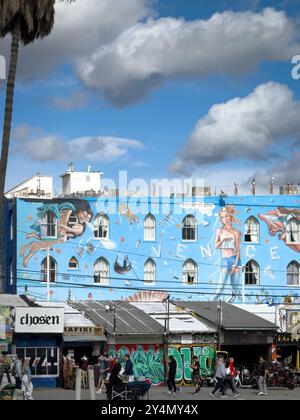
{"x":278,"y":222}
{"x":45,"y":231}
{"x":215,"y":251}
{"x":228,"y":240}
{"x":183,"y":355}
{"x":125,"y":267}
{"x":148,"y":360}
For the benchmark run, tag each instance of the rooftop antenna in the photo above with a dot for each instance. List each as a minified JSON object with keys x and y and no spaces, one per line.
{"x":70,"y":167}
{"x":253,"y":187}
{"x":38,"y":184}
{"x":236,"y":188}
{"x":272,"y":182}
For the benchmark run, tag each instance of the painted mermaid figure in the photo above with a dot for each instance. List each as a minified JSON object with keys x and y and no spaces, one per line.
{"x":228,"y":240}
{"x":56,"y":224}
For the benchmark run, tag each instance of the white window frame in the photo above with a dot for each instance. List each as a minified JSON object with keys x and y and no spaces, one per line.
{"x":105,"y":226}
{"x":77,"y":264}
{"x":52,"y":271}
{"x":150,"y":228}
{"x":48,"y":224}
{"x":252,"y":228}
{"x":253,"y":273}
{"x":293,"y":273}
{"x":73,"y":220}
{"x":24,"y":351}
{"x":188,"y":228}
{"x":149,"y":272}
{"x":293,"y":232}
{"x":190,"y":267}
{"x":101,"y":272}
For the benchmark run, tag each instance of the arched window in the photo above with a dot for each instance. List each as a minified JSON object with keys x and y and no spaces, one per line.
{"x":190,"y":272}
{"x":101,"y":227}
{"x":49,"y":225}
{"x":252,"y":230}
{"x":293,"y":274}
{"x":101,"y":271}
{"x":73,"y":220}
{"x":189,"y":228}
{"x":293,"y":231}
{"x":52,"y":270}
{"x":150,"y":271}
{"x":149,"y":228}
{"x":252,"y":273}
{"x":73,"y":264}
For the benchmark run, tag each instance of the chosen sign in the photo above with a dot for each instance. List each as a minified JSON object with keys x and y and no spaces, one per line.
{"x":39,"y":320}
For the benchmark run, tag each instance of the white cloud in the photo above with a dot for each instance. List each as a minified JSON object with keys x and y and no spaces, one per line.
{"x":261,"y":126}
{"x":148,"y":53}
{"x":34,"y":144}
{"x":116,"y":52}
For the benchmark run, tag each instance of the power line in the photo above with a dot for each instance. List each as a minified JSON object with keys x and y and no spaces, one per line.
{"x":137,"y":279}
{"x":147,"y":256}
{"x":123,"y":288}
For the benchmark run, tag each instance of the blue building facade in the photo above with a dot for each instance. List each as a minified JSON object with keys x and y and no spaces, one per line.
{"x":242,"y":248}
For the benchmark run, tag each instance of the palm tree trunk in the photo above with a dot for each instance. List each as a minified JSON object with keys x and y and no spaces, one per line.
{"x":6,"y":137}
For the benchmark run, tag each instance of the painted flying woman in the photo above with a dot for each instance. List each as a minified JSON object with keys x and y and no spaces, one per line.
{"x":56,"y":224}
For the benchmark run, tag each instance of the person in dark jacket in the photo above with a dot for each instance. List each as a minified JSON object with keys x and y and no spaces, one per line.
{"x":129,"y":373}
{"x":172,"y":375}
{"x":115,"y":382}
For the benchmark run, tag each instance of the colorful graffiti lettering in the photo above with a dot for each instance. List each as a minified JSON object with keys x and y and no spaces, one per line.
{"x":148,"y":360}
{"x":183,"y":356}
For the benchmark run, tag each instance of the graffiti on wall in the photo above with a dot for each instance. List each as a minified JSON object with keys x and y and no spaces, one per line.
{"x":148,"y":360}
{"x":183,"y":355}
{"x":280,"y":221}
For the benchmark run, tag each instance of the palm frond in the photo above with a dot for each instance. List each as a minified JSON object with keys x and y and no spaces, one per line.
{"x":36,"y":18}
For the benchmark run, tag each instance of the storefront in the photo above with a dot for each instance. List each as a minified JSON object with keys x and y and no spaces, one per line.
{"x":288,"y":350}
{"x":83,"y":340}
{"x":38,"y":337}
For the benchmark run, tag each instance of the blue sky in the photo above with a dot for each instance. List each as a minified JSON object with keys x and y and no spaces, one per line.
{"x":162,"y":89}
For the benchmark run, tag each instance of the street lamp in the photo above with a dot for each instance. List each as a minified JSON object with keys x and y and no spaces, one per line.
{"x":220,"y":321}
{"x":108,"y":308}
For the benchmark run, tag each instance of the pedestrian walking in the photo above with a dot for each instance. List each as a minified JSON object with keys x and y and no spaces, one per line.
{"x":27,"y":386}
{"x":4,"y":367}
{"x":84,"y":365}
{"x":172,"y":375}
{"x":104,"y":369}
{"x":128,"y":372}
{"x":220,"y":376}
{"x":231,"y":373}
{"x":16,"y":371}
{"x":262,"y":377}
{"x":196,"y":376}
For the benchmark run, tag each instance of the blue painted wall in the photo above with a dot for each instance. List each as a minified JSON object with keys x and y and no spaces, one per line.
{"x":169,"y":251}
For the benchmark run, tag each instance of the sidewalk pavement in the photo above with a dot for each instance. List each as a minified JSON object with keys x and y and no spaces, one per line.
{"x":160,"y":393}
